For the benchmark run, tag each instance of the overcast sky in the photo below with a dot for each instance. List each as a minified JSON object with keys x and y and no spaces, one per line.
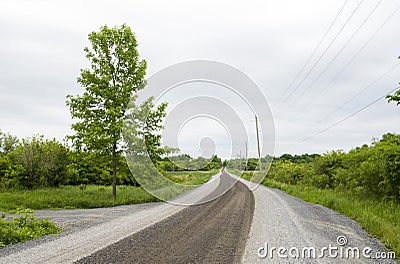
{"x":42,"y":43}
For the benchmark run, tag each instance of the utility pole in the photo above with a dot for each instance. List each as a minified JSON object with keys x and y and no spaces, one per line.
{"x":258,"y":143}
{"x":240,"y":160}
{"x":245,"y":167}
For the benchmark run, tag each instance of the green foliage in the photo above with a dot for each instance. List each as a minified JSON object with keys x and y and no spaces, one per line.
{"x":394,"y":97}
{"x":24,"y":227}
{"x":152,"y":125}
{"x":115,"y":73}
{"x":89,"y":167}
{"x":9,"y":173}
{"x":184,"y":162}
{"x":8,"y":143}
{"x":35,"y":162}
{"x":250,"y":165}
{"x":286,"y":171}
{"x":303,"y":158}
{"x":190,"y":178}
{"x":38,"y":163}
{"x":326,"y":166}
{"x":108,"y":107}
{"x":368,"y":170}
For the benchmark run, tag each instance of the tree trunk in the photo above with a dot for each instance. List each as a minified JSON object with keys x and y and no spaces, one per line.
{"x":114,"y":184}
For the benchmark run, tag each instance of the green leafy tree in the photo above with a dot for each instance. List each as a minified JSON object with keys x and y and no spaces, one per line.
{"x":394,"y":97}
{"x":89,"y":167}
{"x":141,"y":132}
{"x":115,"y":73}
{"x":8,"y":143}
{"x":152,"y":125}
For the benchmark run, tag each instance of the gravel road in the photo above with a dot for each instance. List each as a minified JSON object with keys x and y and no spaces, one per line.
{"x":239,"y":226}
{"x":213,"y":232}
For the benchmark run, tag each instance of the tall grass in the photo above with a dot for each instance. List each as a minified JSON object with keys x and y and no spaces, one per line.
{"x":93,"y":196}
{"x":190,"y":177}
{"x":70,"y":197}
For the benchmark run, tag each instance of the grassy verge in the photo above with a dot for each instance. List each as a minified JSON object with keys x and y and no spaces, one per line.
{"x":190,"y":177}
{"x":24,"y":227}
{"x":94,"y":196}
{"x":379,"y":218}
{"x":70,"y":197}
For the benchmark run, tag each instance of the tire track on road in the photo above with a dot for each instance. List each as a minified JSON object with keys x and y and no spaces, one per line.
{"x":213,"y":232}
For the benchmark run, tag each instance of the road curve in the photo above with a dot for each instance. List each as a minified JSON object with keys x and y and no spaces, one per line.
{"x":213,"y":232}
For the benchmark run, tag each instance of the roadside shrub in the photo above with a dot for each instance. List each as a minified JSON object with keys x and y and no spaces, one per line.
{"x":24,"y":227}
{"x":44,"y":162}
{"x":371,"y":171}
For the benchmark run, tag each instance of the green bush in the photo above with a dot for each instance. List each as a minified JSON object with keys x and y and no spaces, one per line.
{"x":88,"y":167}
{"x":24,"y":227}
{"x":39,"y":162}
{"x":371,"y":171}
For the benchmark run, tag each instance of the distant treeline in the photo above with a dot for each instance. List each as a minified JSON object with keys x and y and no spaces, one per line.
{"x":184,"y":162}
{"x":252,"y":163}
{"x":37,"y":162}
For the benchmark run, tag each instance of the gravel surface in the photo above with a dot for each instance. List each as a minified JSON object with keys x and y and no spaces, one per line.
{"x":213,"y":232}
{"x":281,"y":220}
{"x":75,"y":220}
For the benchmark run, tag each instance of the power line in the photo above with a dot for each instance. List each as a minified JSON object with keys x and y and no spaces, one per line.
{"x":363,"y":47}
{"x":347,"y":117}
{"x":363,"y":90}
{"x":316,"y":48}
{"x":341,"y":50}
{"x":323,"y":54}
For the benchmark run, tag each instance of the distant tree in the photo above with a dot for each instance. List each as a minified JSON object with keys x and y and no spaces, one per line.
{"x":115,"y":73}
{"x":394,"y":97}
{"x":180,"y":157}
{"x":142,"y":138}
{"x":8,"y":143}
{"x":152,"y":125}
